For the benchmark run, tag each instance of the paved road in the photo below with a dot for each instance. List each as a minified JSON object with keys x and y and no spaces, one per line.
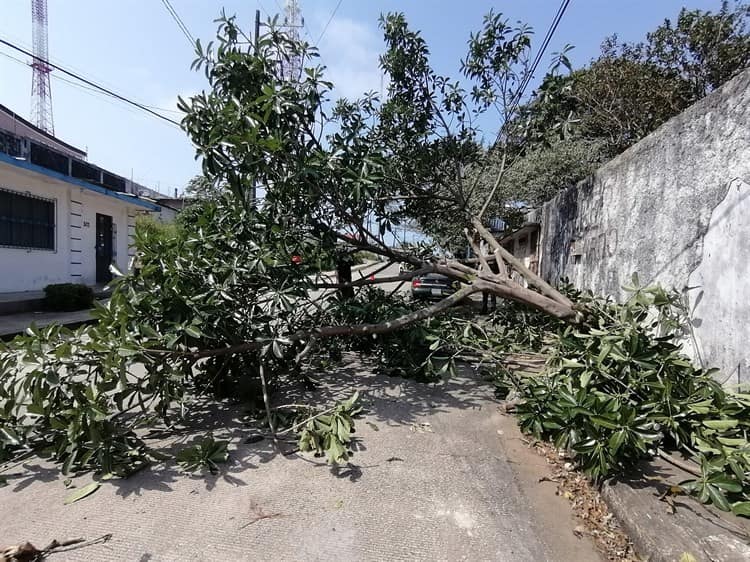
{"x":370,"y":269}
{"x":430,"y":481}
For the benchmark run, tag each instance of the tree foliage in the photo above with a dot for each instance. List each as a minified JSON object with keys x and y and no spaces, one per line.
{"x":219,"y":306}
{"x":628,"y":91}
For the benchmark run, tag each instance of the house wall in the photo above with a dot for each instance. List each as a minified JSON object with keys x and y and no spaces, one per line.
{"x":674,"y":208}
{"x":74,"y":256}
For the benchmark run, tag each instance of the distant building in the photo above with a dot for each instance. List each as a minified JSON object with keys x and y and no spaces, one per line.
{"x":523,"y":243}
{"x":62,"y":219}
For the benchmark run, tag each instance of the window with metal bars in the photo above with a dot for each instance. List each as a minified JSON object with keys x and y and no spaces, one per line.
{"x":26,"y":221}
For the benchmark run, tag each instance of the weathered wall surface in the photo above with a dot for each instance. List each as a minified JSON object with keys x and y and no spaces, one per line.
{"x":675,"y":208}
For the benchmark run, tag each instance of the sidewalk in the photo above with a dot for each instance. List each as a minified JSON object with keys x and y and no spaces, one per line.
{"x":12,"y":324}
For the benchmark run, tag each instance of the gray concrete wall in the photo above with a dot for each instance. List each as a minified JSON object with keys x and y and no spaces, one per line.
{"x":675,"y":208}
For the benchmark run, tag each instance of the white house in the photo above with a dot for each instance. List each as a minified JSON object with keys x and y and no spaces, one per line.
{"x":62,"y":219}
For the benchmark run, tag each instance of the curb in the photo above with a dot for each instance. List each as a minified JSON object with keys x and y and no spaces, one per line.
{"x":662,"y":536}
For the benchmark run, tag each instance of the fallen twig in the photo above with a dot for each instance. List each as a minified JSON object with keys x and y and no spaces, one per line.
{"x":74,"y":544}
{"x":694,"y":470}
{"x":261,"y":517}
{"x":27,"y":552}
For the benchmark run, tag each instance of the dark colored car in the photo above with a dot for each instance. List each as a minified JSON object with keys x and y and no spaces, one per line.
{"x":432,"y":286}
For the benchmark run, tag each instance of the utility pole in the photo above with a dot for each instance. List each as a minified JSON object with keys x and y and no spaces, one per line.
{"x":257,"y":29}
{"x":253,"y":189}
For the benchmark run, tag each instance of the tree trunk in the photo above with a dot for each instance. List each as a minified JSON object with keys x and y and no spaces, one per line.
{"x":344,"y":277}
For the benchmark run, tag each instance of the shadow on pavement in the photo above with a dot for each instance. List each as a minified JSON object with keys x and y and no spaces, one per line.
{"x":389,"y":401}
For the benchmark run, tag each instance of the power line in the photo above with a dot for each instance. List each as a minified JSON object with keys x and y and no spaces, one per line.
{"x":519,"y":95}
{"x":86,"y":88}
{"x":540,"y":54}
{"x":516,"y":100}
{"x":178,"y":20}
{"x":90,"y":83}
{"x":74,"y":68}
{"x":322,"y":33}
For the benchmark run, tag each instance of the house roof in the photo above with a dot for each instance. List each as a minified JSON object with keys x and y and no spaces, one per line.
{"x":126,"y":197}
{"x":527,"y":228}
{"x":15,"y":116}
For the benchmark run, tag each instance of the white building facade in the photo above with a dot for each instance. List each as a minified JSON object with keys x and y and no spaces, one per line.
{"x":56,"y":227}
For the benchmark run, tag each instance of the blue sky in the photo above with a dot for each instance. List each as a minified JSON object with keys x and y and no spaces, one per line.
{"x":136,"y":49}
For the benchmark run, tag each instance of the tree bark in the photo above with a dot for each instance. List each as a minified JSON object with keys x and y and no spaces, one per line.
{"x":344,"y":278}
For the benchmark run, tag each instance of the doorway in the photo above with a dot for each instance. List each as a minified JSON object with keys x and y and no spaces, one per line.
{"x":103,"y":248}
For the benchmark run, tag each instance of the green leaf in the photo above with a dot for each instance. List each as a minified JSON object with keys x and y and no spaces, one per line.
{"x":617,"y":439}
{"x":725,"y":483}
{"x":193,"y":331}
{"x":82,"y":493}
{"x":585,"y":378}
{"x":9,"y":437}
{"x":741,"y":508}
{"x":720,"y":425}
{"x":718,"y":498}
{"x":604,"y":422}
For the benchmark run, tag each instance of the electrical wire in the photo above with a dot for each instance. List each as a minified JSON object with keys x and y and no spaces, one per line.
{"x":90,"y":75}
{"x":517,"y":100}
{"x":90,"y":83}
{"x":325,"y":28}
{"x":545,"y":43}
{"x":178,"y":20}
{"x":87,"y":88}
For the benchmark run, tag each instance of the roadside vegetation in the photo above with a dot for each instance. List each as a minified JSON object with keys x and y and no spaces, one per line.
{"x":221,"y":307}
{"x":579,"y":118}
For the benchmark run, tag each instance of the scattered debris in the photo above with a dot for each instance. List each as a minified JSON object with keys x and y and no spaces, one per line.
{"x":27,"y":552}
{"x":548,"y":479}
{"x":254,"y":439}
{"x":261,"y":517}
{"x":422,"y":427}
{"x":373,"y":426}
{"x":259,"y":514}
{"x":588,"y":506}
{"x":394,"y":459}
{"x":204,"y":455}
{"x":82,"y":493}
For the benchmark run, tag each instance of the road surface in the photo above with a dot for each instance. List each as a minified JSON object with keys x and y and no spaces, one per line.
{"x":430,"y":480}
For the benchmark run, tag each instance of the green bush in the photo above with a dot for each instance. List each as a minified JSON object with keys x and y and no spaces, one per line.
{"x":68,"y":296}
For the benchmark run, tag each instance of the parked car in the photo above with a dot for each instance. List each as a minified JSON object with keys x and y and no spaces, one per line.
{"x":432,"y":286}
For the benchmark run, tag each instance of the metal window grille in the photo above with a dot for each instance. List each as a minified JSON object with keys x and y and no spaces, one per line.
{"x":26,"y":221}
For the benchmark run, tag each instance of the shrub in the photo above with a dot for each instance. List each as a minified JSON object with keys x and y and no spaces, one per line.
{"x":68,"y":296}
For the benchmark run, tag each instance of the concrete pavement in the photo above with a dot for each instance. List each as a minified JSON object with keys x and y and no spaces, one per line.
{"x":430,"y":480}
{"x":12,"y":324}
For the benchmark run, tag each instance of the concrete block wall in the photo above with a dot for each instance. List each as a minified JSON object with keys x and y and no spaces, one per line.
{"x":675,"y":208}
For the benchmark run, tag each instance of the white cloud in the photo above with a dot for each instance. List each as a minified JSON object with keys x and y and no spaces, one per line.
{"x":350,"y":50}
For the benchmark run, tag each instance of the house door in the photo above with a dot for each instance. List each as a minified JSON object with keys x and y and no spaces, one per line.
{"x":103,"y":248}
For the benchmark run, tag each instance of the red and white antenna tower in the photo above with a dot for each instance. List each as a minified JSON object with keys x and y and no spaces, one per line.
{"x":41,"y":93}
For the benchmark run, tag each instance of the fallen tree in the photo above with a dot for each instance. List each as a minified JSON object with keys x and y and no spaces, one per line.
{"x":220,"y":305}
